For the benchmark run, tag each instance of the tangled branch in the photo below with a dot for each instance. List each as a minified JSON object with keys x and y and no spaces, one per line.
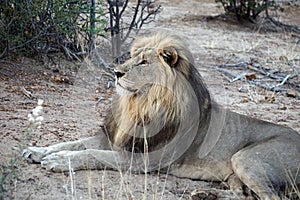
{"x":260,"y":76}
{"x":144,"y":12}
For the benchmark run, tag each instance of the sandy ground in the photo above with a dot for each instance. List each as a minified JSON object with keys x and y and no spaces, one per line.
{"x":76,"y":96}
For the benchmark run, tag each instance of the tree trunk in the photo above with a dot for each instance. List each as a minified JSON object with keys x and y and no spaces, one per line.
{"x":115,"y":28}
{"x":92,"y":25}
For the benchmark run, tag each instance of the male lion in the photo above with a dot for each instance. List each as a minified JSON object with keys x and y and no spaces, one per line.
{"x":163,"y":117}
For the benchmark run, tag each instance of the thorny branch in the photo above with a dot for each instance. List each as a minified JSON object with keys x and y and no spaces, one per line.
{"x":151,"y":10}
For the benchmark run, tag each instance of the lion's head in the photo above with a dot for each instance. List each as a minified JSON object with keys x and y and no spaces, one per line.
{"x":159,"y":94}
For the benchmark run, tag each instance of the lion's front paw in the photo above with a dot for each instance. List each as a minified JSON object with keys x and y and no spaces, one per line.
{"x":57,"y":162}
{"x":203,"y":194}
{"x":212,"y":194}
{"x":34,"y":154}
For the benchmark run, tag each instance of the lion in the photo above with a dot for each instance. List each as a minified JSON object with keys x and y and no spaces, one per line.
{"x":163,"y":116}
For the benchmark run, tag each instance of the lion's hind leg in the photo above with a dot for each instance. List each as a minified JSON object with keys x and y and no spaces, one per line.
{"x":268,"y":167}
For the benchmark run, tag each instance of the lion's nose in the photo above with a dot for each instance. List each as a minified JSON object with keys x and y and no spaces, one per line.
{"x":119,"y":74}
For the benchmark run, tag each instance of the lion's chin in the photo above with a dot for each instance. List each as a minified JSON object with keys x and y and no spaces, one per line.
{"x":123,"y":91}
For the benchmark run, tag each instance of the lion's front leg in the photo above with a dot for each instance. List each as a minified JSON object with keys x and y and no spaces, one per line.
{"x":85,"y":159}
{"x":36,"y":154}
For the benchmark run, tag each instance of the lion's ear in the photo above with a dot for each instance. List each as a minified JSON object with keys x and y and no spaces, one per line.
{"x":169,"y":54}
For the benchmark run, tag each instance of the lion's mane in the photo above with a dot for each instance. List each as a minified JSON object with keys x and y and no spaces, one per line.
{"x":180,"y":75}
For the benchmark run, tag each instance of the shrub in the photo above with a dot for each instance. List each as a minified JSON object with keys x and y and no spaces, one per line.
{"x":30,"y":27}
{"x":246,"y":9}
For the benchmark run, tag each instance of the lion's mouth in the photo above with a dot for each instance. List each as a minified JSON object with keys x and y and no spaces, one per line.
{"x":121,"y":90}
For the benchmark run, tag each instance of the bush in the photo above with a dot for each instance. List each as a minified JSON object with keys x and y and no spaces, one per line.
{"x":30,"y":27}
{"x":246,"y":9}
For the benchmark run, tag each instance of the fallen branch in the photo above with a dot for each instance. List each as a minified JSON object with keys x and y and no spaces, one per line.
{"x":282,"y":78}
{"x":102,"y":62}
{"x":264,"y":72}
{"x":274,"y":88}
{"x":241,"y":76}
{"x":226,"y":72}
{"x":286,"y":27}
{"x":237,"y":65}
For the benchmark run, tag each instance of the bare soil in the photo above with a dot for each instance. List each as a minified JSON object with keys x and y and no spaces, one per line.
{"x":76,"y":97}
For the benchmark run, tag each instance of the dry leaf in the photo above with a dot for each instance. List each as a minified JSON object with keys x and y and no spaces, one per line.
{"x":57,"y":79}
{"x":250,"y":76}
{"x":291,"y":93}
{"x":245,"y":100}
